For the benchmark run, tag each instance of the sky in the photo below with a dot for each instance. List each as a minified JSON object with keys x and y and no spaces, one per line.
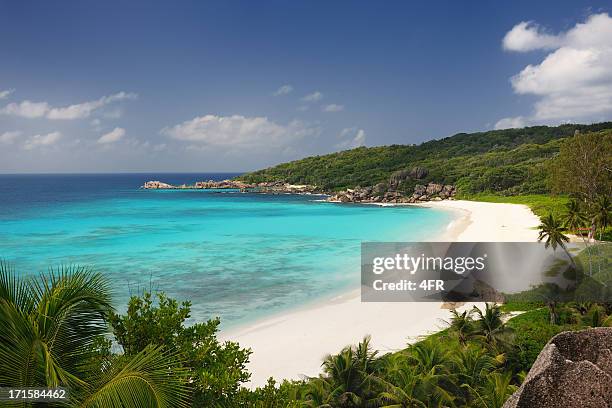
{"x":151,"y":86}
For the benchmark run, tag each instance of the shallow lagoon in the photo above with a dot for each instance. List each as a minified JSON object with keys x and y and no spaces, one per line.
{"x":234,"y":255}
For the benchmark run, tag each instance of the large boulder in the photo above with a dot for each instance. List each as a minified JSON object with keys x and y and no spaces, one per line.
{"x":573,"y":370}
{"x":433,"y":189}
{"x":397,"y":178}
{"x":419,"y":190}
{"x":418,"y":173}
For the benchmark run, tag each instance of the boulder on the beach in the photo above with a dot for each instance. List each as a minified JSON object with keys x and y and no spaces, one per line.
{"x":433,"y":188}
{"x":573,"y":370}
{"x":419,"y":190}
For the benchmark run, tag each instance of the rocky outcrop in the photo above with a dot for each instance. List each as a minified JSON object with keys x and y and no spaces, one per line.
{"x":273,"y":187}
{"x":155,"y":185}
{"x":377,"y":194}
{"x":418,"y":173}
{"x":573,"y":370}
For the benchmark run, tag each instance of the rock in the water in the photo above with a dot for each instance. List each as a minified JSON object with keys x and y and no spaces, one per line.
{"x":154,"y":185}
{"x":573,"y":370}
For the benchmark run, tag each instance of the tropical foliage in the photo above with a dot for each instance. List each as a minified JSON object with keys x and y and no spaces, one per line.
{"x":216,"y":370}
{"x":504,"y":162}
{"x":51,"y":335}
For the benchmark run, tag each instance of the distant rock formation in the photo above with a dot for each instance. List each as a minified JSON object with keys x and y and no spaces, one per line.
{"x":377,"y":194}
{"x":273,"y":187}
{"x":153,"y":185}
{"x":573,"y":370}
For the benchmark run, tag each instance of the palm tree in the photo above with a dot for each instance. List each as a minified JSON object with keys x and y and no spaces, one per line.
{"x":474,"y":363}
{"x":461,"y":325}
{"x":402,"y":391}
{"x":352,"y":375}
{"x":576,"y":218}
{"x":602,"y":213}
{"x":48,"y":333}
{"x":496,"y":390}
{"x":491,"y":328}
{"x":551,"y":232}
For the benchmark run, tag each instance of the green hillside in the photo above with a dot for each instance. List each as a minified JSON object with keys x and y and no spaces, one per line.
{"x":506,"y":162}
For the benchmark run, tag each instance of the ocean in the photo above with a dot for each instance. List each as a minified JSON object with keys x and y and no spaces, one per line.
{"x":239,"y":256}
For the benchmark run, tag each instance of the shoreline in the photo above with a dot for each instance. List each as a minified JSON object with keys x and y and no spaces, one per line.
{"x":293,"y":344}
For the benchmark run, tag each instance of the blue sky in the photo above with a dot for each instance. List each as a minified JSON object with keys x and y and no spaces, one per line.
{"x":233,"y":86}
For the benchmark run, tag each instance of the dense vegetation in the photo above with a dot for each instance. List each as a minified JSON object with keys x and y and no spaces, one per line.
{"x":55,"y":332}
{"x":508,"y":162}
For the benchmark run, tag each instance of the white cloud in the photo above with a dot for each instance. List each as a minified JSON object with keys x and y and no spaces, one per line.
{"x":574,"y":81}
{"x":113,"y":136}
{"x":528,"y":36}
{"x":6,"y":93}
{"x":513,"y":122}
{"x":313,"y":97}
{"x":42,"y":140}
{"x":352,"y":138}
{"x":29,"y":109}
{"x":332,"y":107}
{"x":283,"y":90}
{"x":302,"y":108}
{"x":83,"y":110}
{"x":26,"y":109}
{"x":238,"y":132}
{"x":9,"y":137}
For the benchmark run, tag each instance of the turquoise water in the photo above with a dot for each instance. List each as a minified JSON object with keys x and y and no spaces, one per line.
{"x":234,"y":255}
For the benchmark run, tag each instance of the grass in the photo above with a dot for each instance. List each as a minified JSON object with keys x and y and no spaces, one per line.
{"x":540,"y":204}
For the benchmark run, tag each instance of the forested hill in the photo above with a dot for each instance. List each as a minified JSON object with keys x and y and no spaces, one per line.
{"x":509,"y":162}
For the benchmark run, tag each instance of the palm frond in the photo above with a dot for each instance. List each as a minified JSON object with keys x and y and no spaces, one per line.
{"x":152,"y":378}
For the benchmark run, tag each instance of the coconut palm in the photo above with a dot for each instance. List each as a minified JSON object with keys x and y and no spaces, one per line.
{"x":491,"y":328}
{"x":552,"y":233}
{"x":352,"y":375}
{"x":496,"y":390}
{"x":575,"y":218}
{"x":461,"y":325}
{"x":602,"y":213}
{"x":402,"y":391}
{"x":49,"y":329}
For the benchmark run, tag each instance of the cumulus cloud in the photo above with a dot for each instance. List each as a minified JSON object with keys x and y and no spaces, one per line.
{"x":29,"y":109}
{"x":574,"y":81}
{"x":6,"y":93}
{"x":113,"y":136}
{"x":351,"y":138}
{"x":26,"y":109}
{"x":332,"y":107}
{"x":528,"y":36}
{"x":42,"y":140}
{"x":9,"y":137}
{"x":238,"y":132}
{"x":283,"y":90}
{"x":313,"y":97}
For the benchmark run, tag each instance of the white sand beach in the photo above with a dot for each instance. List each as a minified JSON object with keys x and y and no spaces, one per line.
{"x":293,"y":344}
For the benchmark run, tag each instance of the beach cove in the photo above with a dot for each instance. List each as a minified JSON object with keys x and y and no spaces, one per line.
{"x":292,"y":345}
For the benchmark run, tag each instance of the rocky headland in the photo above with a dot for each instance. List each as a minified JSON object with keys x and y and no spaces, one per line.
{"x":274,"y":187}
{"x":395,"y":190}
